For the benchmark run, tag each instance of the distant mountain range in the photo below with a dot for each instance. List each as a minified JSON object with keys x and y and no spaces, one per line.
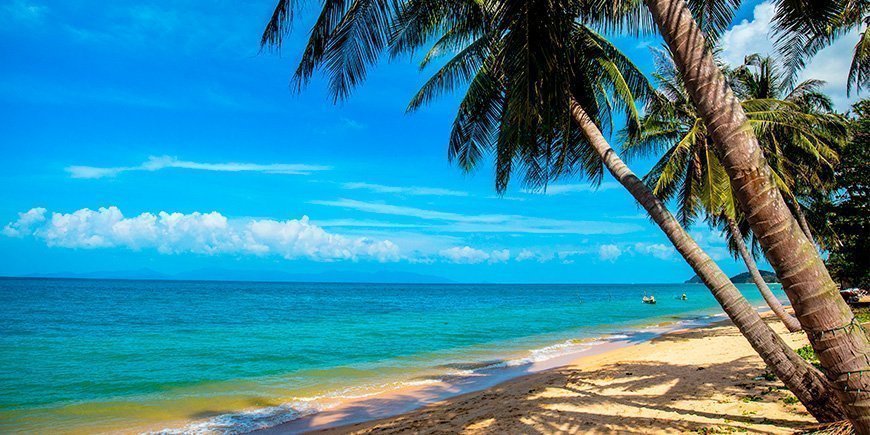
{"x":742,"y":278}
{"x":215,"y":274}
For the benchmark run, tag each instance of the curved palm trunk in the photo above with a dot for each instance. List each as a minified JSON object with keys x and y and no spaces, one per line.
{"x":790,"y":322}
{"x":807,"y":383}
{"x":802,"y":220}
{"x":842,"y":345}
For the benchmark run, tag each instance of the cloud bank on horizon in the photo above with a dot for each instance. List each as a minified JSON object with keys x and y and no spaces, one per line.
{"x":212,"y":233}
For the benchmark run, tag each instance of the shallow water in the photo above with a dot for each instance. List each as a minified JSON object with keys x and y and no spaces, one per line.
{"x":91,"y":355}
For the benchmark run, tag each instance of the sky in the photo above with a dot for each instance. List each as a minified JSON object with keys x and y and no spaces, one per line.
{"x":156,"y":136}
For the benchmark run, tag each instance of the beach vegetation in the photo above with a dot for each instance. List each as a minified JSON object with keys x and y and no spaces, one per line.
{"x":846,"y":211}
{"x":809,"y":354}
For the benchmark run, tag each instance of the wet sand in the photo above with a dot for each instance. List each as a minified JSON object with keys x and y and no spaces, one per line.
{"x":705,"y":379}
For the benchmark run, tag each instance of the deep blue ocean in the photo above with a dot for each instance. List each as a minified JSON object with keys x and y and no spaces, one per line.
{"x":93,"y":355}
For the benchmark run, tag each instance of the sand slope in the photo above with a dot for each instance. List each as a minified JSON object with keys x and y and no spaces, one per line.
{"x":704,"y":381}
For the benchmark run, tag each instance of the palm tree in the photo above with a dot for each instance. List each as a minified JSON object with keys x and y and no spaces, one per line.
{"x":842,"y":347}
{"x":805,"y":27}
{"x":802,"y":160}
{"x":690,"y":170}
{"x":538,"y":108}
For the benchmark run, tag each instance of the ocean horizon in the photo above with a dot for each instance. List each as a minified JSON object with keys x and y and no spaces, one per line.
{"x":87,"y":355}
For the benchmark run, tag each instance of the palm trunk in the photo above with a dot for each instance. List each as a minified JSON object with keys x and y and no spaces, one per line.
{"x":842,"y":345}
{"x":807,"y":383}
{"x":790,"y":322}
{"x":802,"y":220}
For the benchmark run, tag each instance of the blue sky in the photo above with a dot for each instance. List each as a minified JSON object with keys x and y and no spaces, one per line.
{"x":154,"y":135}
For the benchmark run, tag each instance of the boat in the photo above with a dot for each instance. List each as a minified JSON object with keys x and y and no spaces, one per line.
{"x":683,"y":297}
{"x":649,"y":299}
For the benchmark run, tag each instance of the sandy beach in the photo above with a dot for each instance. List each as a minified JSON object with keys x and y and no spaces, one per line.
{"x":705,"y":380}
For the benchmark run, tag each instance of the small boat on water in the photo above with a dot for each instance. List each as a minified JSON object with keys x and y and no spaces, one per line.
{"x":649,"y":299}
{"x":683,"y":297}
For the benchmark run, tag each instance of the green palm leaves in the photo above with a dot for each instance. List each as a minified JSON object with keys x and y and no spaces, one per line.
{"x":795,"y":128}
{"x":520,"y":63}
{"x":805,"y":27}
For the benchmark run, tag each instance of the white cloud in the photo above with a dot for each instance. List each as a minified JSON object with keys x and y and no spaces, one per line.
{"x":755,"y":36}
{"x":488,"y":223}
{"x":163,"y":162}
{"x":500,"y":256}
{"x":562,"y":189}
{"x":609,"y":252}
{"x":25,"y":222}
{"x":24,"y":12}
{"x":411,"y":190}
{"x":353,"y":124}
{"x":749,"y":36}
{"x":201,"y":233}
{"x":469,"y":255}
{"x":524,"y":255}
{"x":657,"y":250}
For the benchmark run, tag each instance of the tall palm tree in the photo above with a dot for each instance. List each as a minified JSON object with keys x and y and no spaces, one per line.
{"x":538,"y":108}
{"x":842,"y":347}
{"x":690,"y":170}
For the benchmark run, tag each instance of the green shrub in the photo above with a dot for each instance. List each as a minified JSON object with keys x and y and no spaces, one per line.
{"x":809,"y":354}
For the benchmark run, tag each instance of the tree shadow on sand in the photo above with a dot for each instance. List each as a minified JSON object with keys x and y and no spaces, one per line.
{"x":661,"y":397}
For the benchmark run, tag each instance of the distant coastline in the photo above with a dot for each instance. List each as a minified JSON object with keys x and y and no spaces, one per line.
{"x":741,"y":278}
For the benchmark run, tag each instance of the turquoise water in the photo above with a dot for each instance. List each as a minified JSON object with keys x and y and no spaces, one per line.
{"x":88,"y":355}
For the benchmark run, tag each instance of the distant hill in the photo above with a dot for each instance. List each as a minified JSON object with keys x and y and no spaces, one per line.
{"x":742,"y":278}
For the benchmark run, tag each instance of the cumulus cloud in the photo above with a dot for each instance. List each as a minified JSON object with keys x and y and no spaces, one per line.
{"x":469,"y":255}
{"x":201,"y":233}
{"x":525,"y":254}
{"x":25,"y":222}
{"x":749,"y":36}
{"x":406,"y":190}
{"x":657,"y":250}
{"x":163,"y":162}
{"x":609,"y":252}
{"x":755,"y":36}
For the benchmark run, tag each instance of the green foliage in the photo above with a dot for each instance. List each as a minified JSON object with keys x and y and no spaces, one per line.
{"x":809,"y":355}
{"x":862,"y":315}
{"x":804,"y":27}
{"x":849,"y":210}
{"x":790,"y":400}
{"x":794,"y":125}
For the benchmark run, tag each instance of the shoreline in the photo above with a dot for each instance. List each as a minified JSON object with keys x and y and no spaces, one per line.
{"x":705,"y":379}
{"x":348,"y":412}
{"x":373,"y":402}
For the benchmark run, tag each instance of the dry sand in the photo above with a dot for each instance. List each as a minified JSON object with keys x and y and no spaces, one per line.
{"x":704,"y":380}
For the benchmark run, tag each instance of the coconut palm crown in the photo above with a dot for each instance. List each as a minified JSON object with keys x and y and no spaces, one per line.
{"x":797,"y":130}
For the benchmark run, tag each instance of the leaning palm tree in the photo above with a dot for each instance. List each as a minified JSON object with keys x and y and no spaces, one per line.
{"x":690,"y":171}
{"x":538,"y":108}
{"x":842,"y":346}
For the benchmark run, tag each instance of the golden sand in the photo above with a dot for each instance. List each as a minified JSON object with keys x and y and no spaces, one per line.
{"x":706,"y":380}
